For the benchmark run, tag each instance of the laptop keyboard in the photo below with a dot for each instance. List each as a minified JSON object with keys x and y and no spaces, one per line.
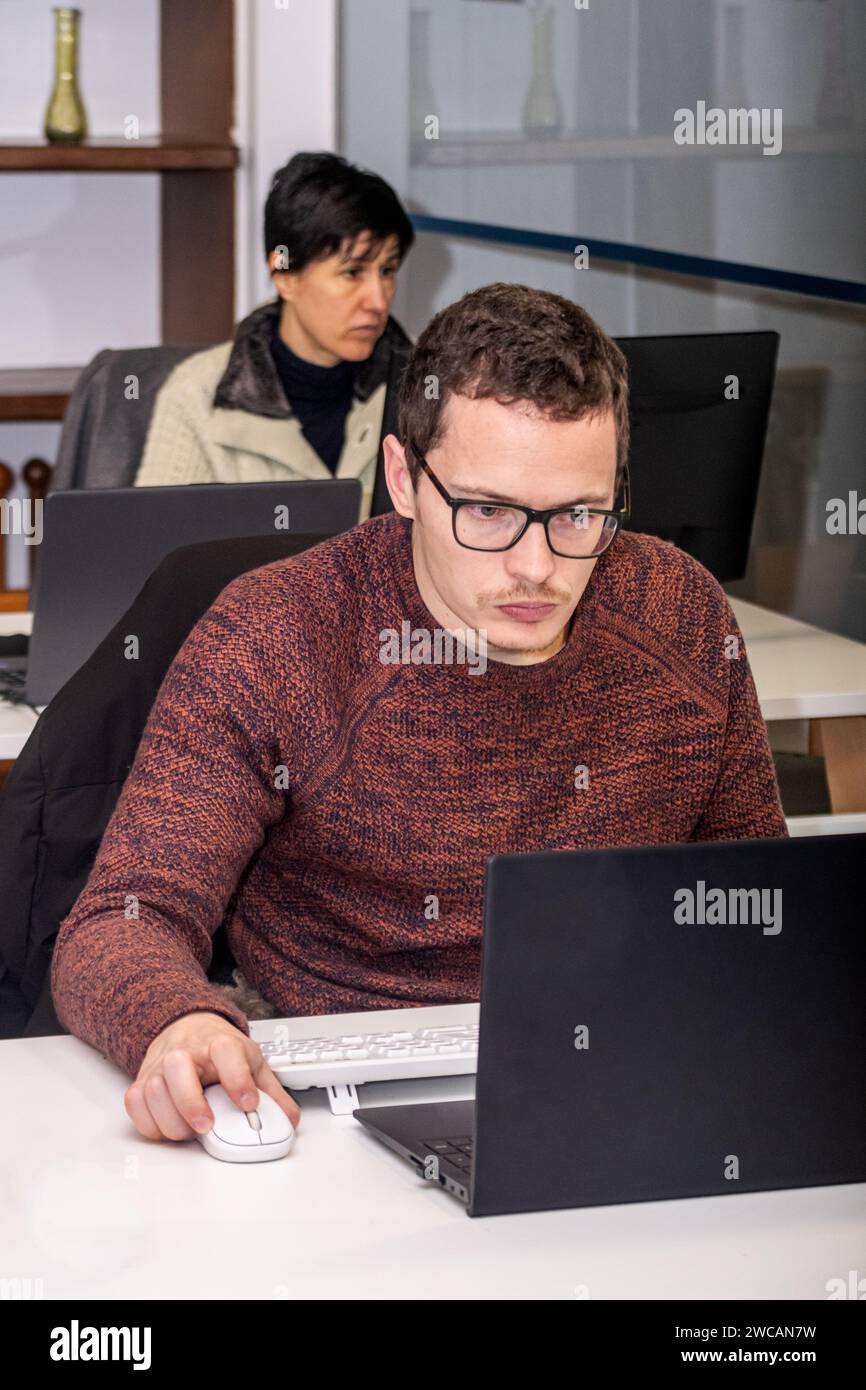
{"x":457,"y":1151}
{"x":13,"y":683}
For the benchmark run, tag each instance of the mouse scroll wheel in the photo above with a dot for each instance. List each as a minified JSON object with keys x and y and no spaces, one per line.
{"x":253,"y":1119}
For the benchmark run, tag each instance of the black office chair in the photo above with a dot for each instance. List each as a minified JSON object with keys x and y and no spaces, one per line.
{"x":104,"y":428}
{"x":59,"y":796}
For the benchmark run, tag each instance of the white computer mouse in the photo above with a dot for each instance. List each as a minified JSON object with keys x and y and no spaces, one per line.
{"x":237,"y":1137}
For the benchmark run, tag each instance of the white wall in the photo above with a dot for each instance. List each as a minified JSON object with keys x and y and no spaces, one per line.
{"x":79,"y":254}
{"x":79,"y":266}
{"x":286,"y":101}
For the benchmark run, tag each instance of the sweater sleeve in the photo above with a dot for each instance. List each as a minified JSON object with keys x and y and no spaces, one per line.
{"x":131,"y":956}
{"x":745,"y":802}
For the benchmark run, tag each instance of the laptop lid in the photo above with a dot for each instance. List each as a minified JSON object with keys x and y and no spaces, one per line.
{"x":671,"y":1022}
{"x":100,"y":545}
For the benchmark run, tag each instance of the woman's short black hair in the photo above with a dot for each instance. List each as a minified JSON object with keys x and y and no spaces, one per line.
{"x":319,"y":200}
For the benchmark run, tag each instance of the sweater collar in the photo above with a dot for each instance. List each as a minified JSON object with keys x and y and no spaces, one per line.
{"x":251,"y":381}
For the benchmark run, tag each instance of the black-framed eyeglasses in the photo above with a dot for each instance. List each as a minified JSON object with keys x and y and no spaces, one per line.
{"x":576,"y":533}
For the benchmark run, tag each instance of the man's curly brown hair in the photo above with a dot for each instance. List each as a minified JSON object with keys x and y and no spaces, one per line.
{"x":512,"y":343}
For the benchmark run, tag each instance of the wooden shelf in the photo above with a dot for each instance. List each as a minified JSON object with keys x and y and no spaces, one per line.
{"x":195,"y":159}
{"x":36,"y":393}
{"x":153,"y":155}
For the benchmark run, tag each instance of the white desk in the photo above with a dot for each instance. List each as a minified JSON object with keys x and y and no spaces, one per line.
{"x":15,"y":622}
{"x":16,"y":726}
{"x":800,"y":671}
{"x":96,"y":1211}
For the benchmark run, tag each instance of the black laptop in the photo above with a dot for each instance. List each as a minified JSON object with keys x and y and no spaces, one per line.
{"x":677,"y":1021}
{"x":100,"y":545}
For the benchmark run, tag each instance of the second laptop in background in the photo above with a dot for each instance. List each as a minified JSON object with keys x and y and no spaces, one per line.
{"x":100,"y":545}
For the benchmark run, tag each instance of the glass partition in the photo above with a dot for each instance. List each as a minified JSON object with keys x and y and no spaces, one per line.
{"x":679,"y":166}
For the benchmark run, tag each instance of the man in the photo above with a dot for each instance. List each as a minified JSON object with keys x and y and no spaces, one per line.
{"x":300,"y":393}
{"x":312,"y":774}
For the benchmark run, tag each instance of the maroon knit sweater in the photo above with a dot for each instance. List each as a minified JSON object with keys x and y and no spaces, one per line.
{"x":290,"y":782}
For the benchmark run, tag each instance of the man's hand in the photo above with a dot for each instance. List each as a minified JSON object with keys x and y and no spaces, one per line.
{"x":166,"y":1100}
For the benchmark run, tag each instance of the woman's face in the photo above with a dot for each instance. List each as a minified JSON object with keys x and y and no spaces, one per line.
{"x":336,"y":308}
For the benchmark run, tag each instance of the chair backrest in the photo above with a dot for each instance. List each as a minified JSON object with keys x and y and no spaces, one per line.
{"x":107,"y":419}
{"x":61,"y":792}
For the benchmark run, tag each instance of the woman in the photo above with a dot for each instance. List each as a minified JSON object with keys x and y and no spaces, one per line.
{"x":300,"y":392}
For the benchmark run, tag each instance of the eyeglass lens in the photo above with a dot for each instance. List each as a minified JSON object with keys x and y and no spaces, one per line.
{"x":577,"y":532}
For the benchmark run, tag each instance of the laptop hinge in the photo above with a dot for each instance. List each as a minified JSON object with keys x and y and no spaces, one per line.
{"x":343,"y":1098}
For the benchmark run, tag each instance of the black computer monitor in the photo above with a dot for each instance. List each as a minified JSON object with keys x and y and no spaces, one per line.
{"x":699,"y":405}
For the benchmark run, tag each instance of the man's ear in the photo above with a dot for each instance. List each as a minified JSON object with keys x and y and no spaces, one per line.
{"x":397,"y":476}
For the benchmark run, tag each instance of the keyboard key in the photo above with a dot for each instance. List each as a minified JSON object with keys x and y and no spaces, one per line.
{"x":423,"y":1051}
{"x":336,"y":1056}
{"x":357,"y":1054}
{"x":437,"y":1146}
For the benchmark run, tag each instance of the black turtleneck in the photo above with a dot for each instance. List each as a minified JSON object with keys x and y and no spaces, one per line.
{"x":320,"y":397}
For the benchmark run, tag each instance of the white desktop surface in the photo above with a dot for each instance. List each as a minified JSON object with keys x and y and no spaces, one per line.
{"x":800,"y":671}
{"x":11,"y":623}
{"x":16,"y":725}
{"x":95,"y":1211}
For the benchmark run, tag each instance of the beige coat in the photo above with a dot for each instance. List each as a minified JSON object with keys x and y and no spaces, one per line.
{"x":192,"y":441}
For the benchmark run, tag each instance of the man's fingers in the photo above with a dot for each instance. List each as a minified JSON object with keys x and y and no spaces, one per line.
{"x":136,"y":1109}
{"x":163,"y":1109}
{"x":234,"y":1072}
{"x":185,"y":1089}
{"x":267,"y":1082}
{"x":167,"y":1099}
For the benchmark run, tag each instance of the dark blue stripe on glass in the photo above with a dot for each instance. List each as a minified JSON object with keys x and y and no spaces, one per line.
{"x":821,"y":286}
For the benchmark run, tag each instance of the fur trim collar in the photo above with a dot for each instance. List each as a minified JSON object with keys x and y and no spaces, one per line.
{"x":251,"y":381}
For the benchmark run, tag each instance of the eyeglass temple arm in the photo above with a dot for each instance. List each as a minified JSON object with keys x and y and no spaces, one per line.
{"x":626,"y":492}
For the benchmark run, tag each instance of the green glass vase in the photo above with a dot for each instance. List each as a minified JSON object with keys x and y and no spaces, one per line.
{"x":65,"y":119}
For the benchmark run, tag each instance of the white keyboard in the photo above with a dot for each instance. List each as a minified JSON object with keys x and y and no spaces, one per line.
{"x":389,"y":1045}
